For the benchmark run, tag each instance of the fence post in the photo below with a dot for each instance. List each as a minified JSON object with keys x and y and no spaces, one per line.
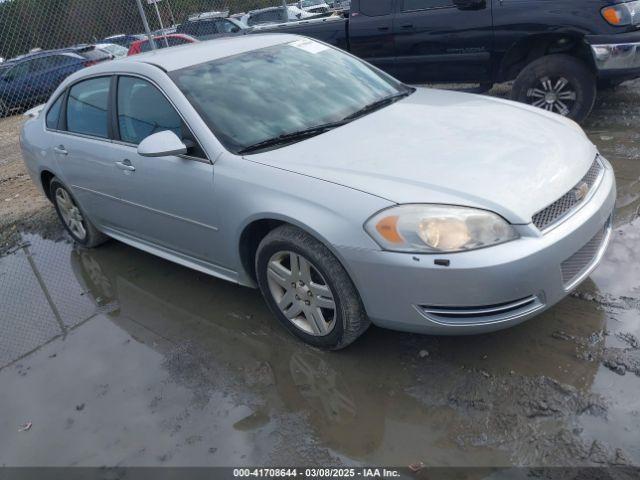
{"x":143,"y":16}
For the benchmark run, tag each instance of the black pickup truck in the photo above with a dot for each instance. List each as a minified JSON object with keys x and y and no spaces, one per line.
{"x":558,"y":52}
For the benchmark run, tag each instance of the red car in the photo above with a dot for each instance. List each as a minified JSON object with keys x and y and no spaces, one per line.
{"x":162,"y":41}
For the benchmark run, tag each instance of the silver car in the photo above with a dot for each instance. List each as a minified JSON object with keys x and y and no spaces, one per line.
{"x":354,"y":200}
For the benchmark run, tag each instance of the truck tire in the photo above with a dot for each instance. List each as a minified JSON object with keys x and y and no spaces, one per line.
{"x":557,"y":83}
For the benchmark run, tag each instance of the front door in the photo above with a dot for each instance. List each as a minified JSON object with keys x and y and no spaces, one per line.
{"x":443,"y":40}
{"x":168,"y":201}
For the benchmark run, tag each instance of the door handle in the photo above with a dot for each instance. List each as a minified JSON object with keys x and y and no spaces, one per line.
{"x":126,"y":166}
{"x":60,"y":150}
{"x":383,"y":29}
{"x":407,"y":26}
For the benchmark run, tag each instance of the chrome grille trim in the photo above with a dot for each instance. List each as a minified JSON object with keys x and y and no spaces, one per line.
{"x":580,"y":265}
{"x":481,"y":315}
{"x":569,"y":202}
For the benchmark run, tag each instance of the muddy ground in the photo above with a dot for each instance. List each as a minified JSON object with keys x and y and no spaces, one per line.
{"x":114,"y":357}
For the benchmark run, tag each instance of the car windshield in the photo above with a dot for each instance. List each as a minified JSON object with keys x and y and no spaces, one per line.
{"x":277,"y":91}
{"x":311,"y":3}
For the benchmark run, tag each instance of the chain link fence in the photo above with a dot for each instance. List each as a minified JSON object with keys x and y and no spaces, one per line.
{"x":44,"y":41}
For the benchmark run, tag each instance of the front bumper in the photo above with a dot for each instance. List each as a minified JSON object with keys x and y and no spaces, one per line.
{"x":616,"y":55}
{"x":488,"y":289}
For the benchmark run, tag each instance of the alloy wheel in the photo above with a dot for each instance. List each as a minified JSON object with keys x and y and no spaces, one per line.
{"x":554,"y":95}
{"x":301,"y":293}
{"x":71,"y":214}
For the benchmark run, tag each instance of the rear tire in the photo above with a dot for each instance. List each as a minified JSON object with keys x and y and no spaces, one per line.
{"x":74,"y":220}
{"x":322,"y":307}
{"x":557,"y":83}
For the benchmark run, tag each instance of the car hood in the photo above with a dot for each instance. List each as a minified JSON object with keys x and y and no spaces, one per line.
{"x":450,"y":148}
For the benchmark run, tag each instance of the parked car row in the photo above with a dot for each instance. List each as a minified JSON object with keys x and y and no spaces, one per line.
{"x":30,"y":79}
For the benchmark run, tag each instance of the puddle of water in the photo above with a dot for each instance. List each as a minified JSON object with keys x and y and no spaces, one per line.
{"x":174,"y":367}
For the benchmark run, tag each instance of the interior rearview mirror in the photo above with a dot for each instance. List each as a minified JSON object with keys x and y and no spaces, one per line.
{"x":162,"y":144}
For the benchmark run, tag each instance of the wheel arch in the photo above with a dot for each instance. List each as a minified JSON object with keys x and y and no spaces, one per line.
{"x":533,"y":47}
{"x":255,"y":229}
{"x":46,"y":176}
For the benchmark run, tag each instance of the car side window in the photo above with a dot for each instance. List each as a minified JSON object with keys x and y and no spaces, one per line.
{"x":18,"y":71}
{"x":143,"y":110}
{"x":87,"y":107}
{"x":53,"y":115}
{"x":207,"y":27}
{"x":413,"y":5}
{"x":376,"y":8}
{"x":225,"y":26}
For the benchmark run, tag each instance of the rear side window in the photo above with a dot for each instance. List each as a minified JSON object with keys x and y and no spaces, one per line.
{"x":53,"y":115}
{"x":225,"y":26}
{"x":376,"y":8}
{"x":143,"y":110}
{"x":207,"y":28}
{"x":87,"y":107}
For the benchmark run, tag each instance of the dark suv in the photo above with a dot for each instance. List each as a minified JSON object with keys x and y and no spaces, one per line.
{"x":30,"y":79}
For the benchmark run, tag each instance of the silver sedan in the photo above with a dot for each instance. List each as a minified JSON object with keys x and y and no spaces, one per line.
{"x":347,"y":197}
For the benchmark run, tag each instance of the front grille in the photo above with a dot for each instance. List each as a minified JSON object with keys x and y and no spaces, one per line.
{"x":571,"y":200}
{"x":574,"y":268}
{"x":481,"y":315}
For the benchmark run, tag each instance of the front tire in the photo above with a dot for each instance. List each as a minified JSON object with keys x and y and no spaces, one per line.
{"x":557,"y":83}
{"x":308,"y":290}
{"x":73,"y":218}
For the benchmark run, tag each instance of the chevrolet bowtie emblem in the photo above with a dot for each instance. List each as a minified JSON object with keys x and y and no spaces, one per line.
{"x":581,"y":191}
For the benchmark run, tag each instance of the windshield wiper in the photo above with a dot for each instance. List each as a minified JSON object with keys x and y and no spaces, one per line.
{"x":377,"y":105}
{"x":292,"y":137}
{"x":288,"y":138}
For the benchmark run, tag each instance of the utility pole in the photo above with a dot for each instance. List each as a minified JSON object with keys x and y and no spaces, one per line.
{"x":143,"y":16}
{"x":155,"y":4}
{"x":173,"y":18}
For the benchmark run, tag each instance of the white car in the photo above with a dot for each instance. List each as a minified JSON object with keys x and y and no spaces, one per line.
{"x":117,"y":51}
{"x":273,"y":15}
{"x":314,"y":6}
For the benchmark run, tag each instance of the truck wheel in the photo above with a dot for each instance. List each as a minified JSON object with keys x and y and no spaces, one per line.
{"x":557,"y":83}
{"x":308,"y":290}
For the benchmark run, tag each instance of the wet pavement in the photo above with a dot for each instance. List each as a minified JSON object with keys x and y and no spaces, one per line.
{"x":116,"y":357}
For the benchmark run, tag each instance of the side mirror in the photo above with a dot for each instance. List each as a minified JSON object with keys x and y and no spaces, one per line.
{"x":162,"y":144}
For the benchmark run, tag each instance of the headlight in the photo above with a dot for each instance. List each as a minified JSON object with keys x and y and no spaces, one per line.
{"x":437,"y":228}
{"x":623,"y":14}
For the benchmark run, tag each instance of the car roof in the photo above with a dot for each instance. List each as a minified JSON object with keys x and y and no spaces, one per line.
{"x":183,"y":56}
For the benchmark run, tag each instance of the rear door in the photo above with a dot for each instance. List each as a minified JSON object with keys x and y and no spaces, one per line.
{"x":81,"y":148}
{"x":443,"y":40}
{"x":371,"y":32}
